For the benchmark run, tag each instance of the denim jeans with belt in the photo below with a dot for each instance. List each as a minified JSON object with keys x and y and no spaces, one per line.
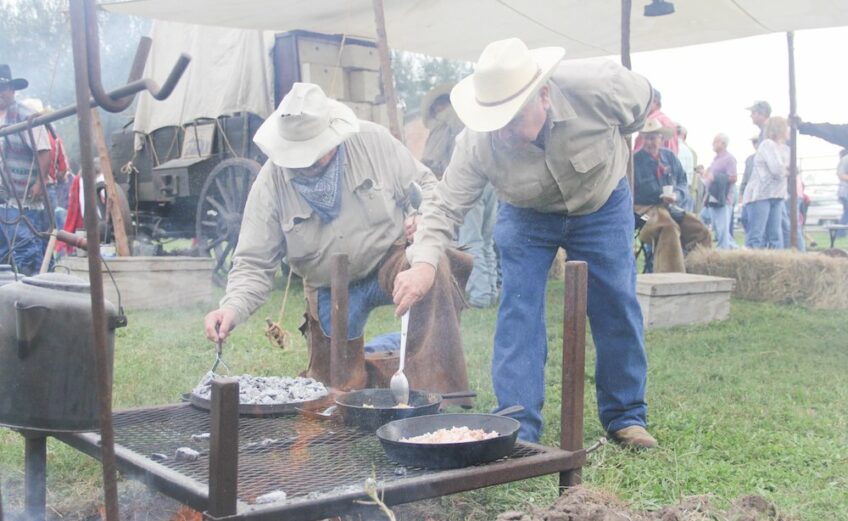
{"x":18,"y":244}
{"x":528,"y":242}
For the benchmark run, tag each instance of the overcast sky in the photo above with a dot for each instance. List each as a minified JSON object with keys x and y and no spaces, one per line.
{"x":707,"y":87}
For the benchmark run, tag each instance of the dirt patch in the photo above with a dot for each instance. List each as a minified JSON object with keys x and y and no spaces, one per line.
{"x":580,"y":504}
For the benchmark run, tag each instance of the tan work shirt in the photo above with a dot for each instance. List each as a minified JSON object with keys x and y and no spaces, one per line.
{"x":593,"y":106}
{"x":279,"y":223}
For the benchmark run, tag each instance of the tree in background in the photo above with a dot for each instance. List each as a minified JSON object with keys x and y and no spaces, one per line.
{"x":35,"y":40}
{"x":415,"y":74}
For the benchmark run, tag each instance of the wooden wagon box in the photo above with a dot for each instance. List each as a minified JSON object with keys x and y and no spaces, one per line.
{"x":676,"y":299}
{"x":152,"y":282}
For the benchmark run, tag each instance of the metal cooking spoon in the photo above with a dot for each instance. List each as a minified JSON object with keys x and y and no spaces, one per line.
{"x":399,"y":384}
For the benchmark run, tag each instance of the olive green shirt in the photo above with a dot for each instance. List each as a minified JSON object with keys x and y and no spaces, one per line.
{"x":583,"y":157}
{"x":279,"y":223}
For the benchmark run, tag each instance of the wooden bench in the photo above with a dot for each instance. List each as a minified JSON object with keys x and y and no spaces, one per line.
{"x":833,"y":230}
{"x":677,"y":299}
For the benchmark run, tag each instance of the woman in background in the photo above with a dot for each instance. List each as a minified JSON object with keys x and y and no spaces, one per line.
{"x":767,"y":188}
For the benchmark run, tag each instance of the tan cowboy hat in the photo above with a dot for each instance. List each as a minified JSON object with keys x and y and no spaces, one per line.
{"x":430,"y":98}
{"x":654,"y":125}
{"x":305,"y":126}
{"x":504,"y":78}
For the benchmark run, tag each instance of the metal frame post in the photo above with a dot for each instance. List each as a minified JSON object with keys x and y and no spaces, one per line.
{"x":573,"y":364}
{"x":35,"y":472}
{"x":223,"y":448}
{"x":339,"y":278}
{"x":793,"y":145}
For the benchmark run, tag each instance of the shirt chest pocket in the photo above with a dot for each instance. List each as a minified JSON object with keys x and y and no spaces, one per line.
{"x":592,"y":158}
{"x":375,"y":203}
{"x":303,"y":238}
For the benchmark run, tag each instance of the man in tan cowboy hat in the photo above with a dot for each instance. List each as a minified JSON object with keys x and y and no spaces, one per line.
{"x":475,"y":234}
{"x":25,"y":166}
{"x":549,"y":136}
{"x":334,"y":184}
{"x":661,"y":192}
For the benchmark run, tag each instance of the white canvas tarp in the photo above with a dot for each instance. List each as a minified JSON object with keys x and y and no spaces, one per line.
{"x":460,"y":29}
{"x":230,"y":71}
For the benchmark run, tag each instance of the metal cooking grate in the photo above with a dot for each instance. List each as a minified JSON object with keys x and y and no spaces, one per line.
{"x":305,"y":458}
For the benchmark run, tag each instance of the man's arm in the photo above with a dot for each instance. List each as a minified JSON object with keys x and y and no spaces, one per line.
{"x":836,"y":134}
{"x":260,"y":249}
{"x":629,"y":100}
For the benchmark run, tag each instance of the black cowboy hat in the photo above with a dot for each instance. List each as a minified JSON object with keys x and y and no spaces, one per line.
{"x":6,"y":78}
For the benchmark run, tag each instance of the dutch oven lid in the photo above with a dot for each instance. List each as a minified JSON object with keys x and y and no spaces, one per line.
{"x":59,"y":281}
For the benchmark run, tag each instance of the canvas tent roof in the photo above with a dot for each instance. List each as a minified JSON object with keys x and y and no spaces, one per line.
{"x":444,"y":27}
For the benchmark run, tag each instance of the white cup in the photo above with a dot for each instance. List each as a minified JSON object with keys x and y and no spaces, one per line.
{"x":668,"y":190}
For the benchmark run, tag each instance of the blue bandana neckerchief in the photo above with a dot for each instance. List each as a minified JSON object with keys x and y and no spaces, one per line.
{"x":323,"y":193}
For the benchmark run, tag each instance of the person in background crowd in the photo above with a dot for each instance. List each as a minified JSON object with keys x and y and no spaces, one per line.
{"x":760,"y":113}
{"x":549,"y":135}
{"x":476,"y":233}
{"x":688,"y":159}
{"x":719,"y":179}
{"x":767,"y":187}
{"x":334,"y":184}
{"x":25,"y":164}
{"x":660,"y":192}
{"x":670,"y":142}
{"x":746,"y":177}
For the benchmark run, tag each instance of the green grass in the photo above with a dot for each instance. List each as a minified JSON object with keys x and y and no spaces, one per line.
{"x":753,"y":405}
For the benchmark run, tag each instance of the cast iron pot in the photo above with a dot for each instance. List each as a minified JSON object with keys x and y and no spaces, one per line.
{"x":449,"y":455}
{"x":370,"y":408}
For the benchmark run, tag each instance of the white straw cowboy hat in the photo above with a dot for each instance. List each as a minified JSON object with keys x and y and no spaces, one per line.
{"x":430,"y":98}
{"x":305,"y":126}
{"x":504,"y":78}
{"x":654,"y":125}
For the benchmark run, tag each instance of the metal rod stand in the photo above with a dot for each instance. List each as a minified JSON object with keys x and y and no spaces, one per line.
{"x":223,"y":448}
{"x":35,"y":471}
{"x":573,"y":364}
{"x":793,"y":145}
{"x":339,"y":278}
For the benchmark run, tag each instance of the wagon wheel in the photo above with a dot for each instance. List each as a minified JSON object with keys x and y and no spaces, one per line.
{"x":219,"y":211}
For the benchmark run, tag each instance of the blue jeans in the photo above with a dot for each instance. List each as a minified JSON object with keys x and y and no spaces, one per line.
{"x":764,"y":224}
{"x":785,"y":225}
{"x":363,"y":296}
{"x":27,"y":249}
{"x":476,"y":234}
{"x":720,"y":217}
{"x":844,"y":220}
{"x":528,"y":242}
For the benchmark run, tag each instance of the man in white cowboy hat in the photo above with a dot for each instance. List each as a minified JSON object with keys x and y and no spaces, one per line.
{"x":550,"y":137}
{"x":475,"y":234}
{"x":25,"y":165}
{"x":334,"y":184}
{"x":661,"y":192}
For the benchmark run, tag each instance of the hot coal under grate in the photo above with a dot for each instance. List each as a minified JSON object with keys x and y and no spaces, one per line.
{"x":305,"y":458}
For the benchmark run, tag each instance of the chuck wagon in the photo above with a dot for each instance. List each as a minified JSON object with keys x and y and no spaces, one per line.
{"x":187,"y":163}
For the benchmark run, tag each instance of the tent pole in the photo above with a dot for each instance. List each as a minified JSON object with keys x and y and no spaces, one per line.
{"x":386,"y":69}
{"x":793,"y":146}
{"x":626,"y":8}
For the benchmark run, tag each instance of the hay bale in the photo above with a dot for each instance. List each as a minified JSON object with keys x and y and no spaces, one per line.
{"x":782,"y":276}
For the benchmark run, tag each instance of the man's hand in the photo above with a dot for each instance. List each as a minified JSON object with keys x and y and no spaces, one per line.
{"x":410,"y":224}
{"x":669,"y":199}
{"x":411,"y":285}
{"x":224,"y":319}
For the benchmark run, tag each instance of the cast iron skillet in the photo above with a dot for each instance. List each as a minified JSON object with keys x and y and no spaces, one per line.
{"x":449,"y":455}
{"x":371,"y":408}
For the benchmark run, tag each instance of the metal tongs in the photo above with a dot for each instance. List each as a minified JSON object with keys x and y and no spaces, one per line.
{"x":219,"y":349}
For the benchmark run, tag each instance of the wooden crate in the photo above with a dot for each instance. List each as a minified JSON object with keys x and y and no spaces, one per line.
{"x":152,"y":282}
{"x":676,"y":299}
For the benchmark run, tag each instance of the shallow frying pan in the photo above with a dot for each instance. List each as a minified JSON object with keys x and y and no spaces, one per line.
{"x":449,"y":455}
{"x":371,"y":408}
